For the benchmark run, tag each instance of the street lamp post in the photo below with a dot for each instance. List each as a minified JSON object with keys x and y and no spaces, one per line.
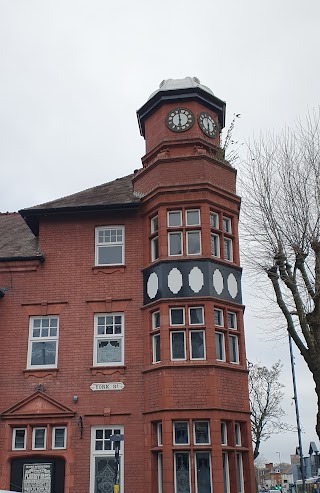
{"x":116,"y":439}
{"x":280,"y":468}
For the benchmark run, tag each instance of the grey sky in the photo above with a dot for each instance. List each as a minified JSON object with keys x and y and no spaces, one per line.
{"x":74,"y":72}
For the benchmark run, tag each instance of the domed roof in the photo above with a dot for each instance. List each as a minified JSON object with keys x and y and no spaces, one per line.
{"x":175,"y":84}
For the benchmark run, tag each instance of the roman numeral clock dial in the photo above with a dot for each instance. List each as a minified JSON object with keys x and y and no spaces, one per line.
{"x":180,"y":119}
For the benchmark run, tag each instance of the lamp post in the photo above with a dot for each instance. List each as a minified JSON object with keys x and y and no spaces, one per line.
{"x":280,"y":467}
{"x":116,"y":439}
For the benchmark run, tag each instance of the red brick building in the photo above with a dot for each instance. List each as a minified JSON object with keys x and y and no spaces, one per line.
{"x":121,"y":313}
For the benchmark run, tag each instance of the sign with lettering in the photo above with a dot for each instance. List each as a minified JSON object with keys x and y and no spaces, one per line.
{"x":37,"y":478}
{"x":107,"y":386}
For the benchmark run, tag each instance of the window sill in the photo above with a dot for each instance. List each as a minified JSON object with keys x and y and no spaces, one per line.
{"x":41,"y":372}
{"x":108,"y":370}
{"x":108,"y":269}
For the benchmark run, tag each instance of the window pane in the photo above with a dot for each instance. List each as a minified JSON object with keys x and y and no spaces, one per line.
{"x":176,"y":316}
{"x":220,"y":353}
{"x":175,"y":244}
{"x":181,"y":435}
{"x":226,"y":222}
{"x":224,"y":440}
{"x":109,"y":351}
{"x":232,"y":320}
{"x":225,"y":466}
{"x":43,"y":353}
{"x":214,"y":220}
{"x":238,"y":434}
{"x":201,"y":431}
{"x":154,"y":249}
{"x":155,"y":320}
{"x":218,"y":317}
{"x":39,"y":436}
{"x":154,"y":224}
{"x":174,"y":218}
{"x":182,"y":473}
{"x":193,"y":218}
{"x":193,"y":243}
{"x":156,"y":348}
{"x":110,"y":255}
{"x":233,"y":343}
{"x":59,"y":437}
{"x":178,"y":345}
{"x":19,"y":441}
{"x":228,"y":249}
{"x":239,"y":473}
{"x":203,"y":472}
{"x":197,"y":344}
{"x":215,"y":249}
{"x":104,"y":474}
{"x":196,"y":316}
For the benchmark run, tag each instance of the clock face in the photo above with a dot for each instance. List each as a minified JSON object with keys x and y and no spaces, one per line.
{"x":207,"y":124}
{"x":180,"y":119}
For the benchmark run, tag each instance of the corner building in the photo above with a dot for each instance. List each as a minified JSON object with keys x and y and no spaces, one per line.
{"x":121,"y":313}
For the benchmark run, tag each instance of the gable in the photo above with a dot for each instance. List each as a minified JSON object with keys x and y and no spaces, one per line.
{"x":37,"y":404}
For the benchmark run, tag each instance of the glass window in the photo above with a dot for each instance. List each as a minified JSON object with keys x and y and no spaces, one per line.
{"x":180,"y":432}
{"x":234,"y":349}
{"x":193,"y":217}
{"x":218,"y":317}
{"x":39,"y":438}
{"x":177,"y":316}
{"x":154,"y":224}
{"x":226,"y":477}
{"x":215,"y":245}
{"x":237,"y":429}
{"x":109,"y":341}
{"x":102,"y":470}
{"x":59,"y":437}
{"x":159,"y":434}
{"x":178,"y":345}
{"x":214,"y":220}
{"x":240,"y":483}
{"x":174,"y":219}
{"x":228,"y":255}
{"x":203,"y":472}
{"x":220,"y":347}
{"x":160,"y":474}
{"x":193,"y":243}
{"x":201,"y":432}
{"x":43,"y":342}
{"x":156,"y":348}
{"x":232,"y":320}
{"x":224,"y":436}
{"x":154,"y":249}
{"x":19,"y":438}
{"x":196,"y":315}
{"x":175,"y":243}
{"x":226,"y":223}
{"x":155,"y":319}
{"x":110,"y":245}
{"x":182,"y":472}
{"x":197,"y":349}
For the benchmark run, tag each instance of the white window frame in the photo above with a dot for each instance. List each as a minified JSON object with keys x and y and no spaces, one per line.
{"x":34,"y":339}
{"x":229,"y":258}
{"x":175,"y":468}
{"x":236,"y":360}
{"x":170,"y":313}
{"x":227,"y":224}
{"x":154,"y":240}
{"x":195,"y":467}
{"x":239,"y":472}
{"x":109,"y":245}
{"x":174,"y":434}
{"x":217,"y":237}
{"x":227,"y":477}
{"x":14,"y":431}
{"x":108,"y":337}
{"x":168,"y":218}
{"x":216,"y":215}
{"x":153,"y":227}
{"x":187,"y":241}
{"x":237,"y":434}
{"x":234,"y":316}
{"x":154,"y":339}
{"x":224,"y":433}
{"x":171,"y":345}
{"x":34,"y":431}
{"x":194,"y":431}
{"x":169,"y":245}
{"x":54,"y":437}
{"x":195,"y":308}
{"x":204,"y":345}
{"x":221,"y":315}
{"x":223,"y":346}
{"x":193,"y":224}
{"x":106,"y":453}
{"x":159,"y":434}
{"x":153,"y":318}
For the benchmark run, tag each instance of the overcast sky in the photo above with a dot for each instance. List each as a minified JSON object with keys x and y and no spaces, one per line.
{"x":73,"y":73}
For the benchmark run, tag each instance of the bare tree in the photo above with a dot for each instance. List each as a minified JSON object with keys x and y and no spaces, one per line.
{"x":281,"y":198}
{"x":265,"y":394}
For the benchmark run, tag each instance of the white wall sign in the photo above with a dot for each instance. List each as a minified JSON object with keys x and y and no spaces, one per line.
{"x":107,"y":386}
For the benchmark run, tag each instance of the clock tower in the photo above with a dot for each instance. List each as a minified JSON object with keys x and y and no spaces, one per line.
{"x":196,"y":405}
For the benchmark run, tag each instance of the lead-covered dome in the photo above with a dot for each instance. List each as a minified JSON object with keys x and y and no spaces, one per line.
{"x":174,"y":84}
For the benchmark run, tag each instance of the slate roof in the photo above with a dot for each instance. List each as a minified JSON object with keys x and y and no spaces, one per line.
{"x":17,"y":242}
